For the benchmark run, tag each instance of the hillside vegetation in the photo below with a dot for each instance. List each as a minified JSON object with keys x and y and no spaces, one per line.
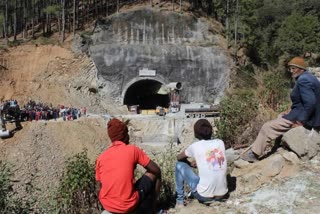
{"x":266,"y":29}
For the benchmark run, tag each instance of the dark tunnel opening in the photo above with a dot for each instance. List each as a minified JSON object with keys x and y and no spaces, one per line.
{"x":144,"y":94}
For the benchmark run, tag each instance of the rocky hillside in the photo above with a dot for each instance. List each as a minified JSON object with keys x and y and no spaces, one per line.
{"x":53,"y":74}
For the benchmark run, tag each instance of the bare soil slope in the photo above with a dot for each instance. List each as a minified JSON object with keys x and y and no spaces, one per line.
{"x":39,"y":150}
{"x":26,"y":64}
{"x":52,"y":74}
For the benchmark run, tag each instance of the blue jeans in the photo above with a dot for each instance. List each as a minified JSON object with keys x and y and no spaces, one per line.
{"x":185,"y":174}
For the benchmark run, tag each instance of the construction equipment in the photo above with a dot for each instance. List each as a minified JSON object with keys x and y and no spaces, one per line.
{"x":192,"y":110}
{"x":3,"y":130}
{"x":134,"y":109}
{"x":173,"y":90}
{"x":4,"y":134}
{"x":172,"y":86}
{"x":202,"y":111}
{"x":9,"y":112}
{"x":174,"y":108}
{"x":161,"y":111}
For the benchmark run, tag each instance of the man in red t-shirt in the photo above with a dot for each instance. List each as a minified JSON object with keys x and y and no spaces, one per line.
{"x":119,"y":193}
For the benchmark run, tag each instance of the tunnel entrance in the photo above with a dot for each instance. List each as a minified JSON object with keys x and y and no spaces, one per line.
{"x":144,"y":94}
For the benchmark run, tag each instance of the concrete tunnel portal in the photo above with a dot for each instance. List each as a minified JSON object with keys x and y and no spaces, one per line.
{"x":145,"y":94}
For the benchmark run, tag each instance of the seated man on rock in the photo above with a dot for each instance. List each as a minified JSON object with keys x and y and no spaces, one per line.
{"x":119,"y":193}
{"x":210,"y":159}
{"x":305,"y":110}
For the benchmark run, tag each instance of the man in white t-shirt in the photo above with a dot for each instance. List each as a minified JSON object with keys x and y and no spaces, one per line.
{"x":210,"y":158}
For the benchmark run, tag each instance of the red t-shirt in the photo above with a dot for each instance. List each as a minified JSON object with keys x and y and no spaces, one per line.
{"x":115,"y":171}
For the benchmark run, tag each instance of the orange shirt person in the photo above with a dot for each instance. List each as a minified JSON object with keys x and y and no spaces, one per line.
{"x":119,"y":192}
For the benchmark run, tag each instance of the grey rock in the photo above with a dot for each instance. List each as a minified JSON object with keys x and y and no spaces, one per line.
{"x":303,"y":142}
{"x":241,"y":163}
{"x":231,"y":155}
{"x":272,"y":166}
{"x":80,"y":44}
{"x":291,"y":157}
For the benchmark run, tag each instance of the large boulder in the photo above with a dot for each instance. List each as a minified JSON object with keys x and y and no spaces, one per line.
{"x":305,"y":143}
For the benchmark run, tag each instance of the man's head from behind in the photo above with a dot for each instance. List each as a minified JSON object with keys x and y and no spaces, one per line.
{"x":118,"y":131}
{"x":202,"y":129}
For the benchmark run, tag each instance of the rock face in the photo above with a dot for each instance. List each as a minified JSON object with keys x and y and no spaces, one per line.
{"x":251,"y":177}
{"x":153,"y":48}
{"x":303,"y":143}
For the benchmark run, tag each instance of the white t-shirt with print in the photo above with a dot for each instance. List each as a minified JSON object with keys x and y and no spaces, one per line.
{"x":212,"y":165}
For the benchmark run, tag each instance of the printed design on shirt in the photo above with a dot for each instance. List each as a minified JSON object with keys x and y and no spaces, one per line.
{"x":215,"y":157}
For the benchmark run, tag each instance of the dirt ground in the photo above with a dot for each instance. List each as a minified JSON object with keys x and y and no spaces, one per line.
{"x":53,"y":74}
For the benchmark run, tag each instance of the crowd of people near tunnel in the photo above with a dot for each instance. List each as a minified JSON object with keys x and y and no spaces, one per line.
{"x":33,"y":111}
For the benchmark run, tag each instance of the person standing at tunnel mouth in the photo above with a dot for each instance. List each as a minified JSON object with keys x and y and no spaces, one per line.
{"x":118,"y":191}
{"x":210,"y":159}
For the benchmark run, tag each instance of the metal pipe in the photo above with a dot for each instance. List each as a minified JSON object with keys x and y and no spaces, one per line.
{"x":166,"y":89}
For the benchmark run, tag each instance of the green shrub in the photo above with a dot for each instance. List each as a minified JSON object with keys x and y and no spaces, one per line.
{"x":275,"y":90}
{"x":241,"y":107}
{"x":236,"y":112}
{"x":245,"y":77}
{"x":77,"y":192}
{"x":166,"y":160}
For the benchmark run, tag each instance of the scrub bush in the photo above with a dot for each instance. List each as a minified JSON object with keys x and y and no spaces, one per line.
{"x":274,"y":90}
{"x":166,"y":160}
{"x":236,"y":112}
{"x":77,"y":191}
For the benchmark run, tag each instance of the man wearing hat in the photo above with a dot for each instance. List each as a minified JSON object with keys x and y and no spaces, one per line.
{"x":305,"y":110}
{"x":210,"y":159}
{"x":119,"y":193}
